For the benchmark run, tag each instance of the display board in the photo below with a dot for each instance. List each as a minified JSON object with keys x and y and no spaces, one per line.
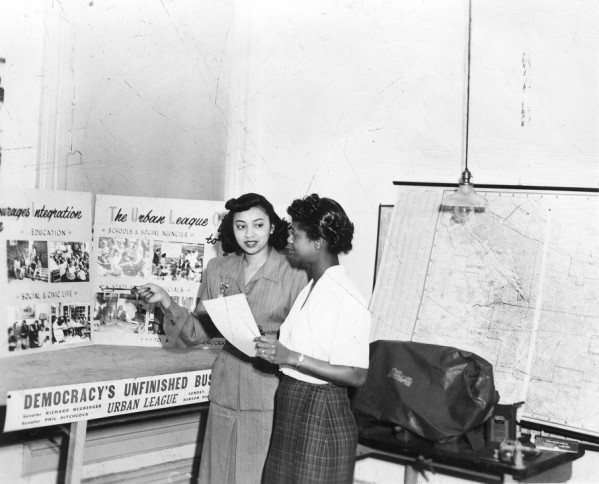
{"x":45,"y":288}
{"x":517,"y":284}
{"x":148,"y":240}
{"x":60,"y":287}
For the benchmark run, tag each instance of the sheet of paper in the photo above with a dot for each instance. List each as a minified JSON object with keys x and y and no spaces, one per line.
{"x":234,"y":319}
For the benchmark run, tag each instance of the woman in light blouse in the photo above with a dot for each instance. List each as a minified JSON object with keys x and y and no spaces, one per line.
{"x":322,"y":349}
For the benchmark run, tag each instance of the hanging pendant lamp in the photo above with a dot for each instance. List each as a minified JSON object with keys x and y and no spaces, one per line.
{"x":465,"y":199}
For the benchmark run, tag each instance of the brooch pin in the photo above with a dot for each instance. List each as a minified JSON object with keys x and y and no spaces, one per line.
{"x":223,"y":287}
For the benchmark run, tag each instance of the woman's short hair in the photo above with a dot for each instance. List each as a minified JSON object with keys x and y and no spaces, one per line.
{"x":323,"y":218}
{"x":277,"y":240}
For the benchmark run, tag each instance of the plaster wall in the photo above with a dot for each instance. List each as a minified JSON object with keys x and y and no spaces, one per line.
{"x":126,"y":98}
{"x":22,"y":46}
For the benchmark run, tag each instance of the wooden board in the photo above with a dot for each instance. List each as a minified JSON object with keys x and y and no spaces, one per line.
{"x":97,"y":363}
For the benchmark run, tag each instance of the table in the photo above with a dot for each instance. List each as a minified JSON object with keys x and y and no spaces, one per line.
{"x":379,"y":441}
{"x":88,"y":363}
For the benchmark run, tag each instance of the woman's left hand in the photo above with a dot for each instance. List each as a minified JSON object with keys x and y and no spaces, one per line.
{"x":268,"y":348}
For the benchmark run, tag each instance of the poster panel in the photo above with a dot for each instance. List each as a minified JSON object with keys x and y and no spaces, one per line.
{"x":41,"y":407}
{"x":45,"y":250}
{"x":139,"y":240}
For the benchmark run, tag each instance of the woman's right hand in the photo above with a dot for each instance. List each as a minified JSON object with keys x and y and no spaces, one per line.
{"x":151,"y":293}
{"x":270,"y":349}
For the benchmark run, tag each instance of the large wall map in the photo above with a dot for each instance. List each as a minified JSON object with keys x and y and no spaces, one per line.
{"x":517,"y":284}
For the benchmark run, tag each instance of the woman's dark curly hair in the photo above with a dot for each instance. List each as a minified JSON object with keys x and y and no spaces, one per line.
{"x":323,"y":218}
{"x":277,"y":240}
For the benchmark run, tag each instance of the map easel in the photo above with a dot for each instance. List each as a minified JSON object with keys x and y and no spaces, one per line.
{"x":95,"y":363}
{"x":513,"y":284}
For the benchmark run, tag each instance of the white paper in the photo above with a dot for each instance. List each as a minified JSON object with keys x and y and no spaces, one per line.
{"x":234,"y":319}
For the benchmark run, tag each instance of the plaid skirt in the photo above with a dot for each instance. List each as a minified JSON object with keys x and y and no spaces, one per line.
{"x":314,"y":436}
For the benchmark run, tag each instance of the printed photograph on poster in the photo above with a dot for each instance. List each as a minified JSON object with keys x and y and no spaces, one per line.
{"x":46,"y":325}
{"x":69,"y":261}
{"x":142,"y":240}
{"x":118,"y":313}
{"x":46,"y":294}
{"x":123,"y":257}
{"x":173,"y":261}
{"x":27,"y":260}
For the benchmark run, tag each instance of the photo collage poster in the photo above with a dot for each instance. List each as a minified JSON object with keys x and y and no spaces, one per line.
{"x":46,"y":295}
{"x":139,"y":240}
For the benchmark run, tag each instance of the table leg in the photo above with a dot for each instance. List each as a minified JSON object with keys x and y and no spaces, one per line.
{"x":76,"y":450}
{"x":410,"y":475}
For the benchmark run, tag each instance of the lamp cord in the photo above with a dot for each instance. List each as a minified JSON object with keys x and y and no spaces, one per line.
{"x":468,"y":85}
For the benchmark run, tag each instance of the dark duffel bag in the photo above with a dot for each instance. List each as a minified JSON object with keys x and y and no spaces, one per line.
{"x":437,"y":392}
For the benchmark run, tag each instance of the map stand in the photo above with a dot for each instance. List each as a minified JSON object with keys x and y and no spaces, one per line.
{"x":513,"y":284}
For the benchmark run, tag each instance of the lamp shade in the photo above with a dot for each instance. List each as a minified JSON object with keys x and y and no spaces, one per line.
{"x":465,"y":195}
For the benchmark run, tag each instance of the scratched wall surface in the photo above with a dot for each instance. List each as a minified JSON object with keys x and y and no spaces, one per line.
{"x":344,"y":98}
{"x":338,"y":92}
{"x":21,"y":75}
{"x":150,"y":97}
{"x":535,"y":97}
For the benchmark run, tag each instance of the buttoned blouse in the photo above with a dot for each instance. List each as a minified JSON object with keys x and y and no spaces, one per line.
{"x":329,"y":321}
{"x":238,"y":381}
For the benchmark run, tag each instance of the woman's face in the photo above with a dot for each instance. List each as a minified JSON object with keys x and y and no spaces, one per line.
{"x":302,"y":248}
{"x":252,"y":229}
